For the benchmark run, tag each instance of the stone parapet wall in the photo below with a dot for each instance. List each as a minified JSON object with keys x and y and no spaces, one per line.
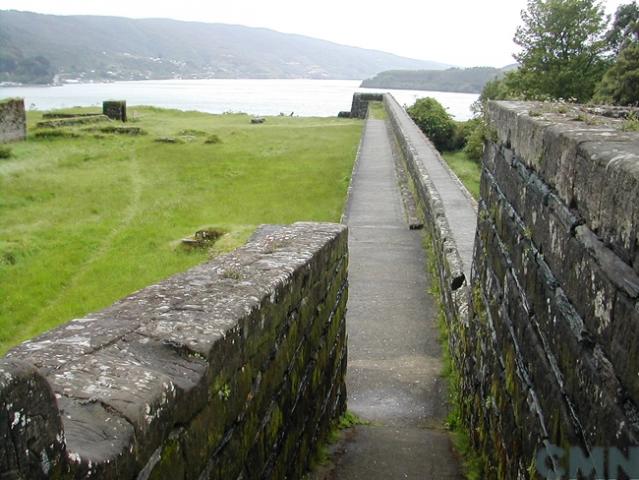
{"x":233,"y":369}
{"x":359,"y":107}
{"x":551,"y":344}
{"x":13,"y":120}
{"x":449,"y":221}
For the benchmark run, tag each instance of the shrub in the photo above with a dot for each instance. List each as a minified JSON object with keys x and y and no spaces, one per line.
{"x":433,"y":119}
{"x":212,"y":139}
{"x":5,"y":152}
{"x":463,"y":132}
{"x":474,"y":148}
{"x":620,"y":84}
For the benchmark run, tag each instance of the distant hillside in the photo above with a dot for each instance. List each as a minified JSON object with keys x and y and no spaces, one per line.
{"x":465,"y":80}
{"x":35,"y":48}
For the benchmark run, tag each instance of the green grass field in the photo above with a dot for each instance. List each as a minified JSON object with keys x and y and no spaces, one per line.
{"x":89,"y":219}
{"x":466,"y":170}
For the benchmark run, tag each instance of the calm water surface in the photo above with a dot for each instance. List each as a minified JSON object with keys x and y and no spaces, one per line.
{"x":258,"y":97}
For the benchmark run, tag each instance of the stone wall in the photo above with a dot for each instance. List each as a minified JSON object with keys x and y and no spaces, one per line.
{"x":359,"y":107}
{"x":234,"y":369}
{"x":13,"y":120}
{"x":450,"y":218}
{"x":550,"y":351}
{"x":542,"y":311}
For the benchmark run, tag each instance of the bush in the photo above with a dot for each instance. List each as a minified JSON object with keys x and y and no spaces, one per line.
{"x":620,"y":84}
{"x":463,"y":132}
{"x":5,"y":152}
{"x":433,"y":119}
{"x":212,"y":139}
{"x":474,"y":148}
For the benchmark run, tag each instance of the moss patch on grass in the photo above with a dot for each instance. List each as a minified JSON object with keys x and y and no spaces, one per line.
{"x":467,"y":170}
{"x":85,"y":221}
{"x":5,"y":152}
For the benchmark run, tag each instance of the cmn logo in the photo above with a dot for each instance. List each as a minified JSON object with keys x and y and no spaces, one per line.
{"x":555,"y":463}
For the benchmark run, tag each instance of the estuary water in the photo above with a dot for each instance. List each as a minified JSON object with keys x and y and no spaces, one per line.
{"x":321,"y":98}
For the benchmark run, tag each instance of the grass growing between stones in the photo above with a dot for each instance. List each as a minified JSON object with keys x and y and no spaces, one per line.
{"x":467,"y":170}
{"x":85,"y":221}
{"x":472,"y":461}
{"x":322,"y":464}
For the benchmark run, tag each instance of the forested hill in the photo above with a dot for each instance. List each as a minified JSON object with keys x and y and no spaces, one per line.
{"x":466,"y":80}
{"x":35,"y":48}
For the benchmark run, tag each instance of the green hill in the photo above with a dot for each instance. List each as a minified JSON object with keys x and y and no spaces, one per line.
{"x":36,"y":47}
{"x":465,"y":80}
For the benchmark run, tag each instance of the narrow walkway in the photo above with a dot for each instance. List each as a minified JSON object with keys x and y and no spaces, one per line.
{"x":394,"y":359}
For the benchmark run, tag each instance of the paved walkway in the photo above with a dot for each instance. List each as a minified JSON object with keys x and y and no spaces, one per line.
{"x":394,"y":355}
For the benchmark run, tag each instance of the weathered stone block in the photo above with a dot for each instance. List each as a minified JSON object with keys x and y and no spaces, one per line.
{"x":13,"y":120}
{"x":359,"y":107}
{"x":115,"y":109}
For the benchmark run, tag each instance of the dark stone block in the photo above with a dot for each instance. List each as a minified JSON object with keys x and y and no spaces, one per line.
{"x":31,"y":435}
{"x":115,"y":109}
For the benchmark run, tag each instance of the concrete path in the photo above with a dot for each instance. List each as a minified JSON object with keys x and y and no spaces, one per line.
{"x":394,"y":359}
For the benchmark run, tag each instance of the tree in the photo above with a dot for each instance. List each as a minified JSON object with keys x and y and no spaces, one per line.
{"x":433,"y":119}
{"x":562,"y":49}
{"x":620,"y":84}
{"x":625,"y":28}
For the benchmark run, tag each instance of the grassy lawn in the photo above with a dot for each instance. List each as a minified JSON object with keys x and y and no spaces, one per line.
{"x":89,"y":219}
{"x":466,"y":170}
{"x":377,"y":111}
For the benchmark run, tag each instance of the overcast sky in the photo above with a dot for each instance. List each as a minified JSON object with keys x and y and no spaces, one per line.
{"x":458,"y":32}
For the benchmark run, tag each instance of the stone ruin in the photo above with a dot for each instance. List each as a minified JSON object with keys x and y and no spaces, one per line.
{"x":115,"y":109}
{"x":13,"y":120}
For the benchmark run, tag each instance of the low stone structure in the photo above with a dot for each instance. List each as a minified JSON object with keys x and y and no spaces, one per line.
{"x":72,"y":121}
{"x":115,"y":109}
{"x":234,"y":369}
{"x":13,"y":120}
{"x":359,"y":107}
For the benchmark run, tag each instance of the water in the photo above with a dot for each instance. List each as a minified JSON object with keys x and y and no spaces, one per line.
{"x":258,"y":97}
